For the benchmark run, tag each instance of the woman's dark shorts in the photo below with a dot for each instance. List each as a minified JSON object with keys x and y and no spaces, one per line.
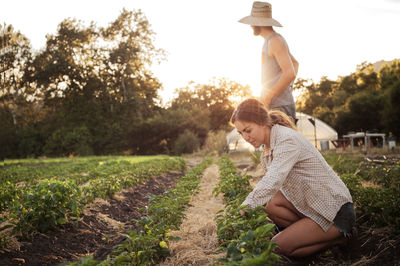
{"x":345,"y":219}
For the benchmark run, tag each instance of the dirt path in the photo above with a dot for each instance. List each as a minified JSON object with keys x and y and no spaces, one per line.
{"x":198,"y":231}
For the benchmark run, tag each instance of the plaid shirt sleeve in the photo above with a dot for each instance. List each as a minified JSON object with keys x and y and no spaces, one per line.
{"x":284,"y":155}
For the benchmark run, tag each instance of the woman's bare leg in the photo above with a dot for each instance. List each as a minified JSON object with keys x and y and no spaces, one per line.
{"x":306,"y":237}
{"x":281,"y":211}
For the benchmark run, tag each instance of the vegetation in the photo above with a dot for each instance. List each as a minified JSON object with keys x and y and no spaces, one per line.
{"x":215,"y":142}
{"x":55,"y":194}
{"x":91,"y":91}
{"x":246,"y":239}
{"x":375,"y":188}
{"x":149,"y":243}
{"x":361,"y":101}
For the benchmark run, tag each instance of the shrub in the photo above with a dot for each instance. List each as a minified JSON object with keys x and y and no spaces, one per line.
{"x":255,"y":157}
{"x":215,"y":141}
{"x":30,"y":143}
{"x":187,"y":142}
{"x":66,"y":141}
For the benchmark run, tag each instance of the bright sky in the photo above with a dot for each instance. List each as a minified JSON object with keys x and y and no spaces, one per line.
{"x":204,"y":40}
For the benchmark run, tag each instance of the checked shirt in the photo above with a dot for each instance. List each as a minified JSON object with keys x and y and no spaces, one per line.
{"x":296,"y":168}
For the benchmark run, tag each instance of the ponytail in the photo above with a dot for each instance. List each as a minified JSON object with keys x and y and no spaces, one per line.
{"x":252,"y":110}
{"x":280,"y":118}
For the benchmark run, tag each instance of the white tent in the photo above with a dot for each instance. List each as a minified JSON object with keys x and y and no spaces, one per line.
{"x":235,"y":142}
{"x":321,"y":132}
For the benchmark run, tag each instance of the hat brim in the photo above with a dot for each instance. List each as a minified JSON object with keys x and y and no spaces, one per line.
{"x":256,"y":21}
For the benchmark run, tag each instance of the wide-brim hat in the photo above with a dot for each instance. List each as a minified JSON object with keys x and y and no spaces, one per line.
{"x":261,"y":15}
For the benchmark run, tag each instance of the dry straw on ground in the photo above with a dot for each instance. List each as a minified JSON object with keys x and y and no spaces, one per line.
{"x":198,"y":231}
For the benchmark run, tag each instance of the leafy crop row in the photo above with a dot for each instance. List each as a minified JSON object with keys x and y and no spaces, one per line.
{"x":246,"y":239}
{"x":100,"y":178}
{"x":48,"y":203}
{"x":377,"y":204}
{"x":148,"y":244}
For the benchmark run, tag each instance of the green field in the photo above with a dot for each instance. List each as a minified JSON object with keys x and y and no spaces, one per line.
{"x":39,"y":195}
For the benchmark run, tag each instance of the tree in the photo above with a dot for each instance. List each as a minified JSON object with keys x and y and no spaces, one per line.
{"x":218,"y":98}
{"x":360,"y":101}
{"x":314,"y":95}
{"x":159,"y":133}
{"x":362,"y":112}
{"x":98,"y":78}
{"x":14,"y":55}
{"x":389,"y":77}
{"x":14,"y":91}
{"x":128,"y":64}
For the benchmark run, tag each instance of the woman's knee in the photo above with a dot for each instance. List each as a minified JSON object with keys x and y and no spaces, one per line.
{"x":284,"y":247}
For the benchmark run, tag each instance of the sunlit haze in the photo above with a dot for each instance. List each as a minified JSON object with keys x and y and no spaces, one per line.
{"x":204,"y":40}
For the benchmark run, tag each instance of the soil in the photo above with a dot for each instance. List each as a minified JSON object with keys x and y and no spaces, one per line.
{"x":97,"y":230}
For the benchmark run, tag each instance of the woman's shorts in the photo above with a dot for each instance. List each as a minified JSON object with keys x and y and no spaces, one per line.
{"x":345,"y":219}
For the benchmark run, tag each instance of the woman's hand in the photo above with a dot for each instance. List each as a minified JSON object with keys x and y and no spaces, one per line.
{"x":242,"y":212}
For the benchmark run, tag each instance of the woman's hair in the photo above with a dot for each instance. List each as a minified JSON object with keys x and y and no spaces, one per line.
{"x":252,"y":110}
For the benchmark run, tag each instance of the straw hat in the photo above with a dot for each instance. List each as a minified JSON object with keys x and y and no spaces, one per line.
{"x":261,"y":15}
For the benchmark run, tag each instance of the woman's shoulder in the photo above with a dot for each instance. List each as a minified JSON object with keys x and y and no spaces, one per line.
{"x":284,"y":134}
{"x":282,"y":131}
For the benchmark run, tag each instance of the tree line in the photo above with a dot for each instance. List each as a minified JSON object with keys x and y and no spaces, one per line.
{"x":91,"y":91}
{"x":366,"y":100}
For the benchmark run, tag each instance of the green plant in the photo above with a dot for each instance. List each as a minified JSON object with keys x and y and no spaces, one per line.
{"x":255,"y":157}
{"x":379,"y":206}
{"x":232,"y":185}
{"x":148,"y":244}
{"x":39,"y":195}
{"x":343,"y":163}
{"x":8,"y":193}
{"x":75,"y":141}
{"x":3,"y":227}
{"x":43,"y":207}
{"x":187,"y":142}
{"x":252,"y":248}
{"x":215,"y":142}
{"x":246,"y":238}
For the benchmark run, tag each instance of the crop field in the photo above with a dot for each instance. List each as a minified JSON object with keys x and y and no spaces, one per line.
{"x":124,"y":210}
{"x":374,"y":184}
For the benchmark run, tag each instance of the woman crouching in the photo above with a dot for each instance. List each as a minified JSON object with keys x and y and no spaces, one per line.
{"x":300,"y":191}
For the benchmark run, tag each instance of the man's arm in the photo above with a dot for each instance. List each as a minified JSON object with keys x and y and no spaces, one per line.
{"x":295,"y":63}
{"x":289,"y":65}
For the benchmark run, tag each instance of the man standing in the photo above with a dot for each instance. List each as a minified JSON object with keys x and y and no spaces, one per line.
{"x":278,"y":66}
